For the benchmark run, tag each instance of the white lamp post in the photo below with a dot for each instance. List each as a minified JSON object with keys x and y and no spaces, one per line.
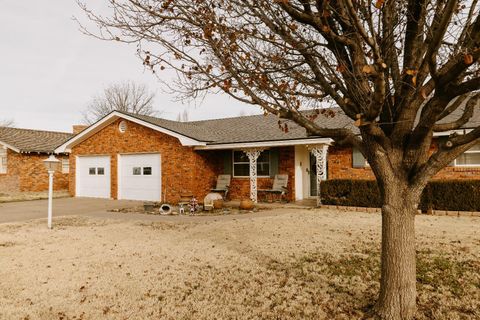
{"x":51,"y":164}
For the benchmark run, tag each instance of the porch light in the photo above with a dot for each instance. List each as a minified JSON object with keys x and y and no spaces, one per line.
{"x":51,"y":164}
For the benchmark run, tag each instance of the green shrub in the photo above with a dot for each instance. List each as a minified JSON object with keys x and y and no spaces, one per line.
{"x":355,"y":193}
{"x":461,"y":195}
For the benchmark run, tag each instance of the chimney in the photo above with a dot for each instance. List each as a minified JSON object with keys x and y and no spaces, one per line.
{"x":79,"y":128}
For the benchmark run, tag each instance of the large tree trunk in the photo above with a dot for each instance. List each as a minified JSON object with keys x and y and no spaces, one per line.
{"x":397,"y":300}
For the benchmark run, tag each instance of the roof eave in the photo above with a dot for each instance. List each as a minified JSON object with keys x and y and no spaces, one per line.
{"x":9,"y":146}
{"x":266,"y":144}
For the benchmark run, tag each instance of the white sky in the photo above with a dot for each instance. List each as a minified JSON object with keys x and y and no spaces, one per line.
{"x":49,"y":70}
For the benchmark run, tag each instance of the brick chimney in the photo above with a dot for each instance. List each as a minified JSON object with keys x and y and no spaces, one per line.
{"x":79,"y":128}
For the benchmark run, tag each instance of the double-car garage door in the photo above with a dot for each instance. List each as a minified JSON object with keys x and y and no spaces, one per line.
{"x":139,"y":177}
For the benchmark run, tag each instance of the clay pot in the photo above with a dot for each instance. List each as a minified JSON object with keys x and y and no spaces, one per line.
{"x":218,"y":204}
{"x":246,"y":204}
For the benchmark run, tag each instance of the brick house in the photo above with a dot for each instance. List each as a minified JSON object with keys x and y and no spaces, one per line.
{"x":126,"y":156}
{"x":22,"y":153}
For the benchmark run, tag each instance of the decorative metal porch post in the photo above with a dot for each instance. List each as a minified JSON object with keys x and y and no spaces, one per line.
{"x":253,"y":155}
{"x":320,"y":154}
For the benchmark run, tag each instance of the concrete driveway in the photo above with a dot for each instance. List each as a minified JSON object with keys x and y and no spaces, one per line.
{"x":27,"y":210}
{"x":99,"y":208}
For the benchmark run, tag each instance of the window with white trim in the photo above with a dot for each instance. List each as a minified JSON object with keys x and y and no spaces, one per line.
{"x":3,"y":160}
{"x":470,"y":158}
{"x":358,"y":160}
{"x":241,"y":164}
{"x":65,"y":166}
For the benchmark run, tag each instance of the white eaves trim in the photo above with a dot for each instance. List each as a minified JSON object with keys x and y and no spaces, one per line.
{"x":101,"y":124}
{"x":266,"y":144}
{"x":8,"y":146}
{"x":447,"y":133}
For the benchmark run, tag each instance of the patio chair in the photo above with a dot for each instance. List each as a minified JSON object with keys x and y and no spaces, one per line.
{"x":223,"y":184}
{"x":279,"y":187}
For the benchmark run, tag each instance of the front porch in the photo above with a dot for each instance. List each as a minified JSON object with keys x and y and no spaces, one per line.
{"x":254,"y":168}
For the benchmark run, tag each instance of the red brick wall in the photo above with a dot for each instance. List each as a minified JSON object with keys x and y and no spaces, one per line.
{"x":240,"y":187}
{"x":340,"y":167}
{"x":27,"y":173}
{"x":184,"y":171}
{"x":460,"y":173}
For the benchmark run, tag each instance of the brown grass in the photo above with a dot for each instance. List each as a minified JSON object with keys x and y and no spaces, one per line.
{"x":28,"y":196}
{"x":296,"y":265}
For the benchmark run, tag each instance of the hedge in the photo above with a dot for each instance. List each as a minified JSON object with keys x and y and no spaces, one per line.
{"x":454,"y":195}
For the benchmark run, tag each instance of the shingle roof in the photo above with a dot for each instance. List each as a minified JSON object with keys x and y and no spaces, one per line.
{"x":474,"y":121}
{"x":258,"y":128}
{"x":254,"y":128}
{"x":27,"y":140}
{"x":245,"y":129}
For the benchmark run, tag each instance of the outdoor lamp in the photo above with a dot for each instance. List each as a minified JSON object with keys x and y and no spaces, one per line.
{"x":51,"y":164}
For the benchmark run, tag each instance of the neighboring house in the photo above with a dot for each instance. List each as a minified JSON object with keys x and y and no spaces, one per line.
{"x":22,"y":153}
{"x":126,"y":156}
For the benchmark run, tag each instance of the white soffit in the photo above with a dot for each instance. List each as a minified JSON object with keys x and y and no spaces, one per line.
{"x":7,"y":146}
{"x":447,"y":133}
{"x":266,"y":144}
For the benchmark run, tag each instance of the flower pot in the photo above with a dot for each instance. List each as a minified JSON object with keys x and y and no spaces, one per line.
{"x":246,"y":204}
{"x":218,"y":204}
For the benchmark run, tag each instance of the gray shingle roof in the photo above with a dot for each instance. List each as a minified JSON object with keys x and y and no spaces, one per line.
{"x":258,"y":128}
{"x":254,"y":128}
{"x":474,"y":122}
{"x":27,"y":140}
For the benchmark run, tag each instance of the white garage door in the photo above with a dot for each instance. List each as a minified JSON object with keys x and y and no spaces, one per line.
{"x":93,"y":177}
{"x":140,"y":177}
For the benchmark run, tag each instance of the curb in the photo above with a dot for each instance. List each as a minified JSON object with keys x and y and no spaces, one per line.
{"x":378,"y":210}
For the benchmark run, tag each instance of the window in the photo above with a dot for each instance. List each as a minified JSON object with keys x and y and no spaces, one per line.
{"x":137,"y":171}
{"x":147,"y":171}
{"x":469,"y":158}
{"x":358,"y":160}
{"x":122,"y":127}
{"x":65,"y":166}
{"x":92,"y":171}
{"x":241,"y":164}
{"x":100,"y":171}
{"x":3,"y":160}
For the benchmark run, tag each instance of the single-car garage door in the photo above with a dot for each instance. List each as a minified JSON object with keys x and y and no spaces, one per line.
{"x":140,"y":177}
{"x":93,"y":177}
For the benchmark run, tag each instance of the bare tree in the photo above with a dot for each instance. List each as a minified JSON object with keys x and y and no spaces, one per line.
{"x":126,"y":96}
{"x":7,"y":123}
{"x":395,"y":68}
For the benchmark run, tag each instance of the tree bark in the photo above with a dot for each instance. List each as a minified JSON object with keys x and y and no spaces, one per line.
{"x":397,"y":300}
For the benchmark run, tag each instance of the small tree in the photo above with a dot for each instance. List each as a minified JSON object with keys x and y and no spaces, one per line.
{"x":126,"y":96}
{"x":397,"y":69}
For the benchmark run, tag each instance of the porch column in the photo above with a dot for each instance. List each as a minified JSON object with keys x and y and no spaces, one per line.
{"x":253,"y":155}
{"x":320,"y":154}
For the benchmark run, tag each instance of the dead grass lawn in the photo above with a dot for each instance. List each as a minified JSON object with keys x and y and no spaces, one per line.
{"x":308,"y":264}
{"x":27,"y":196}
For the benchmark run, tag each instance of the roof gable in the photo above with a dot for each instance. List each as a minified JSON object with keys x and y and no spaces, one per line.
{"x":185,"y":140}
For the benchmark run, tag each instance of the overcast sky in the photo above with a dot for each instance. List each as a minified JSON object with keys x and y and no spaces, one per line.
{"x":49,"y":70}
